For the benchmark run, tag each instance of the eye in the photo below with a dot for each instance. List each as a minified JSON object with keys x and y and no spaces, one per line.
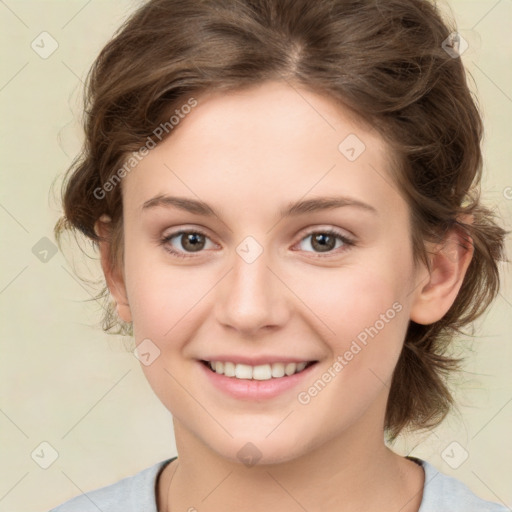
{"x":194,"y":241}
{"x":325,"y":240}
{"x":191,"y":241}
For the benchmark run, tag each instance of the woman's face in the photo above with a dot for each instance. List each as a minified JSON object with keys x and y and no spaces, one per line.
{"x":260,"y":282}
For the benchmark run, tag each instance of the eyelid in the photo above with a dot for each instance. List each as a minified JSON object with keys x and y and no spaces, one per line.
{"x":324,"y":228}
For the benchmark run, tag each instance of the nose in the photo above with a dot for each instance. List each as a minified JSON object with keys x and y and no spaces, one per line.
{"x":252,"y":297}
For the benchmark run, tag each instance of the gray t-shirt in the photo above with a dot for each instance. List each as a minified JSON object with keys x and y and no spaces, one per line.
{"x":441,"y":493}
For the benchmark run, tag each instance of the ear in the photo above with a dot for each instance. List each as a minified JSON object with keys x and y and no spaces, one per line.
{"x":113,"y":273}
{"x":449,"y":262}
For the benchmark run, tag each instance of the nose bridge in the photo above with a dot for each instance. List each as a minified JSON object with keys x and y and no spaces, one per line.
{"x":251,"y":297}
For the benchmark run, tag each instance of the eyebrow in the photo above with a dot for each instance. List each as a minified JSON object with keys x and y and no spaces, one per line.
{"x":290,"y":210}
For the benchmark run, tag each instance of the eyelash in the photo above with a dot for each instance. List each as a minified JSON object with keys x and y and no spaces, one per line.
{"x":331,"y":232}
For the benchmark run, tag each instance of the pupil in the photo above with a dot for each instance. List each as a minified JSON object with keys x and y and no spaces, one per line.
{"x":321,"y":239}
{"x":194,"y":239}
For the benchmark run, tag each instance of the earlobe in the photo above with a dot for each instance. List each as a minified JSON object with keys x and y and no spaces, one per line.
{"x":448,"y":265}
{"x":113,"y":274}
{"x":124,"y":312}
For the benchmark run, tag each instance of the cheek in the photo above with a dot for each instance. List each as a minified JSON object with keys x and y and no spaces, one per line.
{"x":350,"y":298}
{"x":367,"y":317}
{"x":162,"y":302}
{"x":165,"y":303}
{"x":363,"y":311}
{"x":160,"y":294}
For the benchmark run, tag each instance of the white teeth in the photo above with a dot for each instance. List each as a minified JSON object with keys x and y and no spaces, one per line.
{"x":301,"y":366}
{"x":278,"y":370}
{"x":290,"y":368}
{"x":260,"y":372}
{"x":229,"y":369}
{"x":243,"y":371}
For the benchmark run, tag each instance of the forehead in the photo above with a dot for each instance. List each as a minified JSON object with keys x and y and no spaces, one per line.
{"x":266,"y":144}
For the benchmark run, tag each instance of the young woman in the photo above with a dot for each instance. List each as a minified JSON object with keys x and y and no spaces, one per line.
{"x":284,"y":194}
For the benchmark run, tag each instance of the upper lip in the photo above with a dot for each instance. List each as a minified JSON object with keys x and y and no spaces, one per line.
{"x":255,"y":361}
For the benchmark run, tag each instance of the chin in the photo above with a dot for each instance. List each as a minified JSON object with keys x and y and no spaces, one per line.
{"x":258,"y":449}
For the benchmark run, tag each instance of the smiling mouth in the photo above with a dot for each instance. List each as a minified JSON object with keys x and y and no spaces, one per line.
{"x":259,"y":372}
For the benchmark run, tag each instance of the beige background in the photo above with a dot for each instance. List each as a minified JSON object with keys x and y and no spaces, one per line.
{"x":64,"y":382}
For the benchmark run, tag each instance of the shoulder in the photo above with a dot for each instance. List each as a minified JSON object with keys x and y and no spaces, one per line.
{"x":442,"y":492}
{"x":135,"y":493}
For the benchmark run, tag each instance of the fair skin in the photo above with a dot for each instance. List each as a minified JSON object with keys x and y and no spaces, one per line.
{"x":248,"y":155}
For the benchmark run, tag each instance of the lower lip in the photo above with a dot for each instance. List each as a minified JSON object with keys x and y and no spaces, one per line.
{"x":249,"y":389}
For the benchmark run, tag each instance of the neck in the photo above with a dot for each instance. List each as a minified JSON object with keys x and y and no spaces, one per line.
{"x":347,"y":474}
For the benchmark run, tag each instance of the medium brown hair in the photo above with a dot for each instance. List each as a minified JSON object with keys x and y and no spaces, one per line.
{"x":383,"y":60}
